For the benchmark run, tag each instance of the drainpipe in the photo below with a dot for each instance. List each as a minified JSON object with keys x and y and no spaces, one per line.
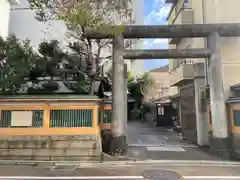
{"x":205,"y":45}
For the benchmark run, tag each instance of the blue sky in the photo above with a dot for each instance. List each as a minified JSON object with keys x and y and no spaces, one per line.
{"x":155,"y":13}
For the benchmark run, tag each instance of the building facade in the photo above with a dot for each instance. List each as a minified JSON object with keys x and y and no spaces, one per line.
{"x":190,"y":76}
{"x":37,"y":31}
{"x":5,"y":15}
{"x":162,"y":83}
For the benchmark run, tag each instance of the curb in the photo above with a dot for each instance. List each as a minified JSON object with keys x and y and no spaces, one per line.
{"x":84,"y":164}
{"x":161,"y":163}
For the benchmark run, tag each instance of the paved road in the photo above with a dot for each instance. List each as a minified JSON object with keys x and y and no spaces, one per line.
{"x":149,"y":142}
{"x":145,"y":142}
{"x":137,"y":172}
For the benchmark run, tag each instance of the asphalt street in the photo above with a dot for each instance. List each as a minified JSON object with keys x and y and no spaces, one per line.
{"x":190,"y":172}
{"x":147,"y":144}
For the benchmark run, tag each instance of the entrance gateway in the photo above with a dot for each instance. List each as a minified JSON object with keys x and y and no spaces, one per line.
{"x":212,"y":32}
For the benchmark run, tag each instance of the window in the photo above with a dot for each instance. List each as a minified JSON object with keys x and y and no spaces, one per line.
{"x":185,"y":4}
{"x":236,"y":118}
{"x":160,"y":110}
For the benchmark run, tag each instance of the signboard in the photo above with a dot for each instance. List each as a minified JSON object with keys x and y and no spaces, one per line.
{"x":21,"y":118}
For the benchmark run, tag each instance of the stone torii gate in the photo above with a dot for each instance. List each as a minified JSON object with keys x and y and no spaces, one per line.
{"x":212,"y":32}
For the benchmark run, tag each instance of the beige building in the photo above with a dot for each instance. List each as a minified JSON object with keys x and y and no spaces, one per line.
{"x":162,"y":82}
{"x":188,"y":75}
{"x":158,"y":94}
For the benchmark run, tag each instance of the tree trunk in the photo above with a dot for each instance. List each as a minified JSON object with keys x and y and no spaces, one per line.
{"x":118,"y":144}
{"x":93,"y":72}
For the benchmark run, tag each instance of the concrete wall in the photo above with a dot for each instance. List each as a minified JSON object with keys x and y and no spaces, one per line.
{"x":217,"y":11}
{"x":4,"y":17}
{"x":186,"y":71}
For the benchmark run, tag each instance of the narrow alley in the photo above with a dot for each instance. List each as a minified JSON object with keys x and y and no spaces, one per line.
{"x":146,"y":141}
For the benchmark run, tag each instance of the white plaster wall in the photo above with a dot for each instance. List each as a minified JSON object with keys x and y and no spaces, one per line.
{"x":4,"y":17}
{"x":222,"y":11}
{"x":25,"y":26}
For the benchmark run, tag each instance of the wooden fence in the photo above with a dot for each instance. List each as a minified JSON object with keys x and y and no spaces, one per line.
{"x":48,"y":117}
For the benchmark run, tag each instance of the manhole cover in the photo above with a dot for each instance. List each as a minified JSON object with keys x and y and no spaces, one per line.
{"x":64,"y":168}
{"x":161,"y":175}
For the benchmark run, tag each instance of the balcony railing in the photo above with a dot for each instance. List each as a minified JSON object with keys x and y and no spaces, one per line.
{"x":182,"y":73}
{"x":186,"y":16}
{"x":180,"y":62}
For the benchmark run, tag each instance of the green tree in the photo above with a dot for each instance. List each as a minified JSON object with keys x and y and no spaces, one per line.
{"x":80,"y":14}
{"x":16,"y":61}
{"x":24,"y":69}
{"x":56,"y":65}
{"x":139,"y":86}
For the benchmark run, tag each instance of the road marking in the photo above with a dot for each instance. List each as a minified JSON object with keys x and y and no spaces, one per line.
{"x":165,"y":148}
{"x":70,"y":177}
{"x":211,"y":177}
{"x":160,"y":144}
{"x":165,"y":137}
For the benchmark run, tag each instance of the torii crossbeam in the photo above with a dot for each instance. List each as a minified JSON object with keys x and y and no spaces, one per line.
{"x":168,"y":31}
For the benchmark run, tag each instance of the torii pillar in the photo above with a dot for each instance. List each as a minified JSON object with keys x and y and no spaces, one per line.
{"x":118,"y":143}
{"x":219,"y":141}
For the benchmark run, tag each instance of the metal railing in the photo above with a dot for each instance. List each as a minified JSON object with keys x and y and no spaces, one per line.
{"x":6,"y":118}
{"x":180,"y":62}
{"x":178,"y":13}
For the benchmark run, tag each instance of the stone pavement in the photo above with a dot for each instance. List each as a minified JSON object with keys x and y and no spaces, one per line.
{"x":149,"y":142}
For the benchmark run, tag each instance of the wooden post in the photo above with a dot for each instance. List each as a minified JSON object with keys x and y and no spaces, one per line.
{"x":95,"y":117}
{"x":218,"y":107}
{"x":46,"y":116}
{"x":118,"y":143}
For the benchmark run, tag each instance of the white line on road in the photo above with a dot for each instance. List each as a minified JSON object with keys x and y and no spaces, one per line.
{"x":104,"y":177}
{"x":211,"y":177}
{"x":166,"y":149}
{"x":70,"y":177}
{"x":160,"y":145}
